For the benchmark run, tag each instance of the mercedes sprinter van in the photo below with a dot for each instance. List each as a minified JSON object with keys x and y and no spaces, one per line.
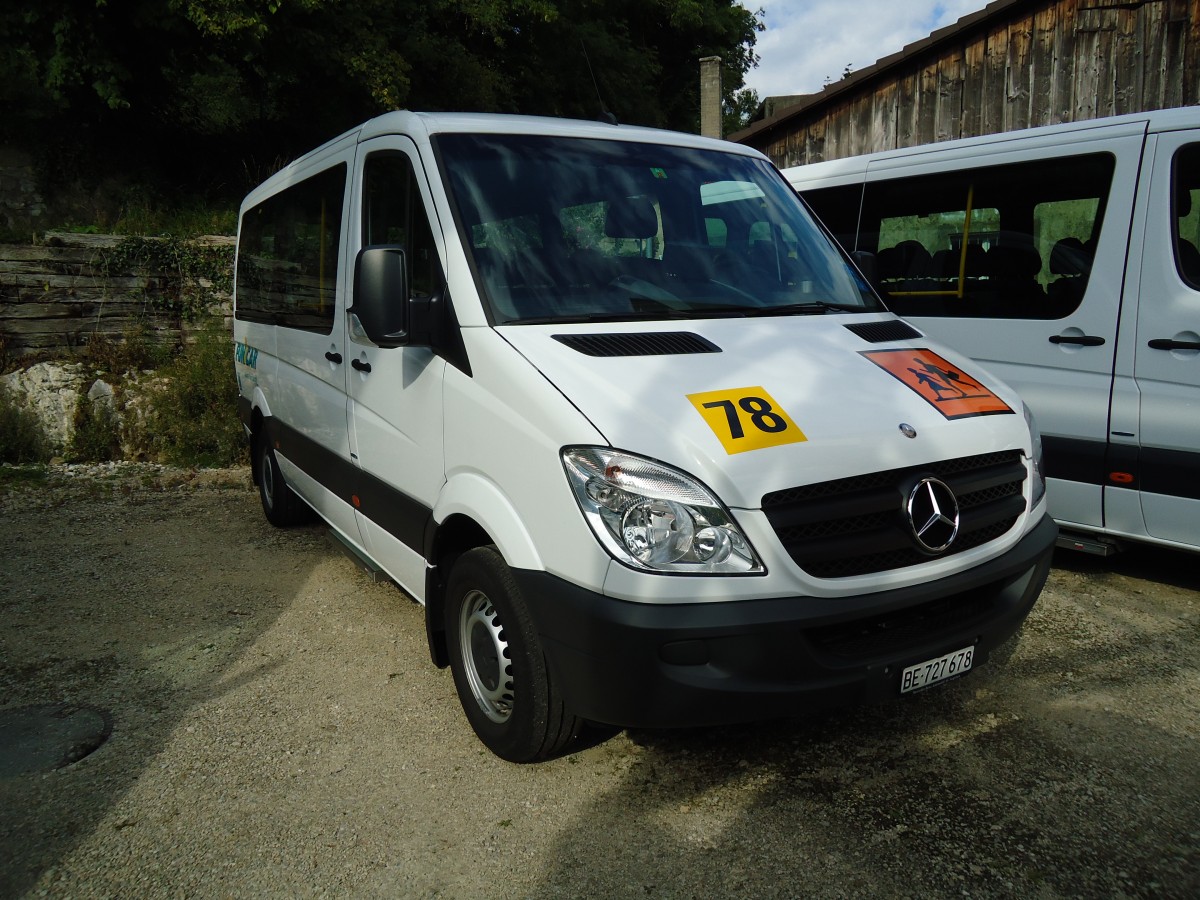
{"x":628,"y":423}
{"x":1065,"y":260}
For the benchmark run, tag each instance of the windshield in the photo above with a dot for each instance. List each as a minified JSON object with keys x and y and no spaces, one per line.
{"x":568,"y":229}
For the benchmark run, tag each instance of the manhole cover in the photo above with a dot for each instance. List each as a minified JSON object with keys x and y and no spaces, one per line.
{"x":44,"y":738}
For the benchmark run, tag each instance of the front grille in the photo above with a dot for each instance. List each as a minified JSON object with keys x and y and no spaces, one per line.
{"x":858,"y":525}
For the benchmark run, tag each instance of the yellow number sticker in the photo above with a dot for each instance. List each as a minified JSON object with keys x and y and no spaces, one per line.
{"x":746,"y":419}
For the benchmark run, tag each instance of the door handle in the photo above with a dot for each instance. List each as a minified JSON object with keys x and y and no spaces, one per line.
{"x":1167,"y":344}
{"x":360,"y":365}
{"x":335,"y":358}
{"x":1083,"y":340}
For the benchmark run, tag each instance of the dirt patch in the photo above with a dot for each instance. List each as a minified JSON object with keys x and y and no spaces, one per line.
{"x":277,"y":729}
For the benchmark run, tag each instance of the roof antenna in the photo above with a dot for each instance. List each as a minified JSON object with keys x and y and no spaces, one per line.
{"x":605,"y":115}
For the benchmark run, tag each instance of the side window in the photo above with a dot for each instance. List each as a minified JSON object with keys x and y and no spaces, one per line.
{"x":1186,"y":214}
{"x":1014,"y":241}
{"x":393,"y":213}
{"x":288,"y":249}
{"x":837,"y":208}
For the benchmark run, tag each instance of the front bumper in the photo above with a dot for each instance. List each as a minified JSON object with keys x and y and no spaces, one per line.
{"x":674,"y":665}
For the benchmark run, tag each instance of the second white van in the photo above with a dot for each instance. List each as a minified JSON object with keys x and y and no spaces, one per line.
{"x":1065,"y":260}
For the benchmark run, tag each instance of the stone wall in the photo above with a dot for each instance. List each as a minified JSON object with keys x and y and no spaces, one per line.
{"x":67,"y":289}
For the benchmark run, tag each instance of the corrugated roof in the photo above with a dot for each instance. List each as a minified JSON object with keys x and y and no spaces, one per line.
{"x":942,"y":36}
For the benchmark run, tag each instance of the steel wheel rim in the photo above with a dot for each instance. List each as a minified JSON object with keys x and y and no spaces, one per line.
{"x":485,"y":657}
{"x":266,"y":476}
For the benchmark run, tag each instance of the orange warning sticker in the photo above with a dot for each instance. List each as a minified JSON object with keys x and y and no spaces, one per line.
{"x":947,"y":388}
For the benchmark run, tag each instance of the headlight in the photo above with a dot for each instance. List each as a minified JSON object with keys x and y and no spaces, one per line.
{"x":653,"y":517}
{"x":1039,"y":477}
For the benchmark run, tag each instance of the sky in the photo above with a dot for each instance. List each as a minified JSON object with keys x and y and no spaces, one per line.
{"x":810,"y":41}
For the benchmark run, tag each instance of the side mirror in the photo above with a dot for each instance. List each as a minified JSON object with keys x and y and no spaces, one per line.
{"x":381,"y":296}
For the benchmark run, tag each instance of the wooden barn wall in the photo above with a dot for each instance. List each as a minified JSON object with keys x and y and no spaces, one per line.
{"x":1059,"y":62}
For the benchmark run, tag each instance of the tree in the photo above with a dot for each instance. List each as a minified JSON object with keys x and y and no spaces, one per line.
{"x":740,"y":110}
{"x":213,"y":89}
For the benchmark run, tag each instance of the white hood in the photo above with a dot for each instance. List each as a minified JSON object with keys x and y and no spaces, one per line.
{"x":811,"y":368}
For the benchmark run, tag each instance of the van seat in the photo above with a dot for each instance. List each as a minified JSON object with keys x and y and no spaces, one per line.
{"x":1071,"y":263}
{"x":1012,"y":270}
{"x":944,"y":266}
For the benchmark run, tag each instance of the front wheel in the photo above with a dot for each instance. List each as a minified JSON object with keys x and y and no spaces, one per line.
{"x":499,"y":668}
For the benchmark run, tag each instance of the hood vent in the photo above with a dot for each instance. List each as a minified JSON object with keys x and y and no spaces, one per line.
{"x":665,"y":343}
{"x":882,"y":332}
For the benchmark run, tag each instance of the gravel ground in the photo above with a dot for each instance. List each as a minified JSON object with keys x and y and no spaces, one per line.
{"x":277,"y":730}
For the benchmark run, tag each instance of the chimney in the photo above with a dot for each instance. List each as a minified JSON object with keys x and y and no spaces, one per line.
{"x":710,"y":97}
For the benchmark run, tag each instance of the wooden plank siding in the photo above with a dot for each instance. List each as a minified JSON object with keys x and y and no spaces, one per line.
{"x":55,"y":297}
{"x":1014,"y":65}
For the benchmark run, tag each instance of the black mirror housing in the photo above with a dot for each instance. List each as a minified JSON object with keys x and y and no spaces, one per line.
{"x":381,"y":294}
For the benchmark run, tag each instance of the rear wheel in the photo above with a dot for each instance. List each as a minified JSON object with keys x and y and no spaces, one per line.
{"x":280,"y":505}
{"x":499,"y":668}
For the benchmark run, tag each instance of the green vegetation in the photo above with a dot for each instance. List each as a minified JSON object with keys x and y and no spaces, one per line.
{"x":193,"y":275}
{"x":175,"y":406}
{"x":191,"y":218}
{"x":21,"y":438}
{"x":97,"y":435}
{"x":177,"y":105}
{"x":192,"y":414}
{"x":137,"y":349}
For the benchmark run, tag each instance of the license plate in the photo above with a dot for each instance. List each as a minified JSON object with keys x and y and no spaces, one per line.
{"x":922,"y":675}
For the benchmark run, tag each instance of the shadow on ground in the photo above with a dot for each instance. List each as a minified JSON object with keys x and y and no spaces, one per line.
{"x":139,"y":629}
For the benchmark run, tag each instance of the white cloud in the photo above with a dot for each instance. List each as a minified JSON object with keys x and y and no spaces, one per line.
{"x":809,"y":41}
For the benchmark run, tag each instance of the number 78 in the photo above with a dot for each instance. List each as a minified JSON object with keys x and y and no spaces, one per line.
{"x":746,"y":419}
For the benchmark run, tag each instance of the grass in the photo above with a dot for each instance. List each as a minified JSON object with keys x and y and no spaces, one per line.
{"x":21,"y":437}
{"x":193,"y":412}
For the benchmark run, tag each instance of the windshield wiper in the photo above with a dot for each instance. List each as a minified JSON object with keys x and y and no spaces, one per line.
{"x":648,"y":316}
{"x":808,"y":308}
{"x":714,"y":311}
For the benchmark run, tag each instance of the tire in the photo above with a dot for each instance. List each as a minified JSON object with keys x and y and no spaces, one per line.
{"x":500,"y":671}
{"x":280,"y":505}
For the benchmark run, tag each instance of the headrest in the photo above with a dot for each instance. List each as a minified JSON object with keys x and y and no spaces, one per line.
{"x":631,"y":217}
{"x":1068,"y":257}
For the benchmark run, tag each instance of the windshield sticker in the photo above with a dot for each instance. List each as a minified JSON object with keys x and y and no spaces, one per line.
{"x":947,"y":388}
{"x":746,"y":419}
{"x":659,"y":173}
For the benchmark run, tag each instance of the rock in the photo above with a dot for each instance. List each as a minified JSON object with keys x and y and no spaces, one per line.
{"x":51,"y":391}
{"x":101,"y":394}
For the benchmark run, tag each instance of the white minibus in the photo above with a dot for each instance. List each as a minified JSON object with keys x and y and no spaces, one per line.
{"x":1065,"y":260}
{"x":627,"y":422}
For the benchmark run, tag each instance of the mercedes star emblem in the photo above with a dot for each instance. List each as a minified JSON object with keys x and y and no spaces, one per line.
{"x":933,"y":515}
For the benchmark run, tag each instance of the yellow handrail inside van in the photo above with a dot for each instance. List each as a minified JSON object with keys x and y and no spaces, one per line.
{"x":321,"y":262}
{"x":962,"y":259}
